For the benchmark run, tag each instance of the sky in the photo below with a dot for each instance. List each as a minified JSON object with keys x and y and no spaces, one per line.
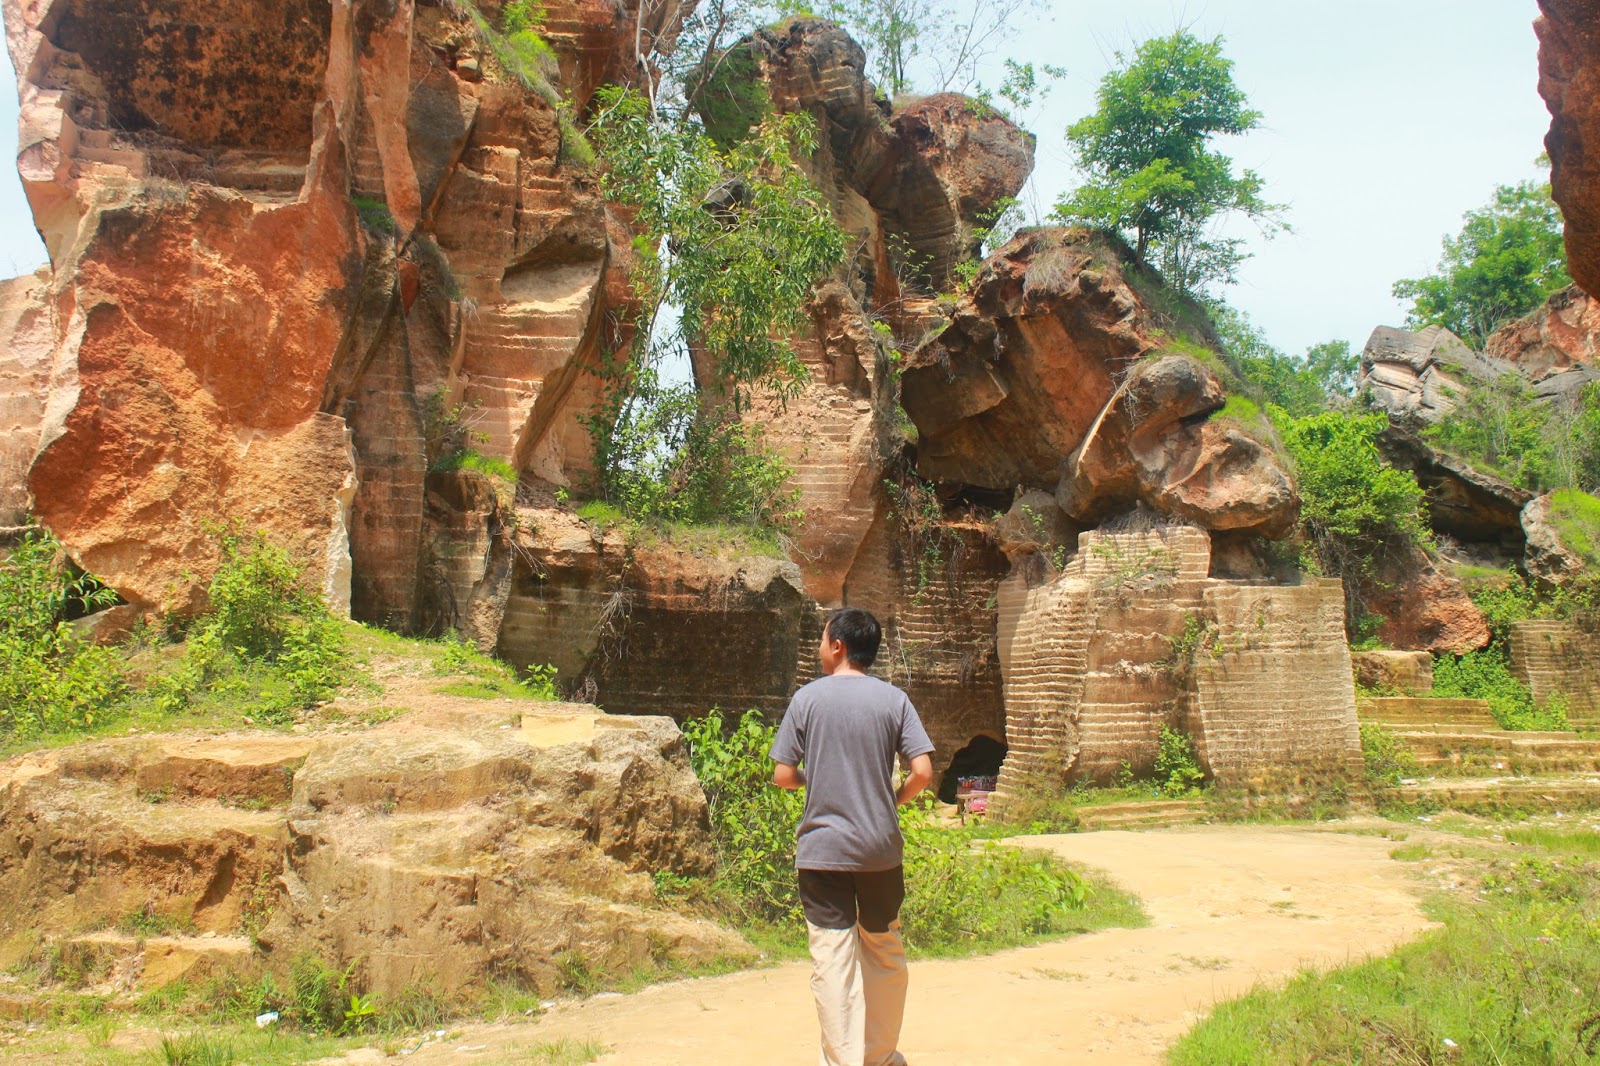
{"x":1384,"y":121}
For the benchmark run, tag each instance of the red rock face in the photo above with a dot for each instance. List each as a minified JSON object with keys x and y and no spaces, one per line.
{"x":1424,"y":608}
{"x":289,"y":240}
{"x":1564,"y":333}
{"x":1031,"y":356}
{"x":1569,"y":81}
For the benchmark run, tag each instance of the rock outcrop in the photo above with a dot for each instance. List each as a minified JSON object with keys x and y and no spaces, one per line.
{"x":439,"y":848}
{"x":1155,"y":445}
{"x":283,"y":259}
{"x":1134,"y":636}
{"x":1561,"y":334}
{"x":1569,"y":81}
{"x":1034,"y":351}
{"x":1421,"y":376}
{"x":1557,"y":659}
{"x":1463,"y":502}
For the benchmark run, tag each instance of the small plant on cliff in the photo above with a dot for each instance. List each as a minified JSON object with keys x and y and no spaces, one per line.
{"x":51,"y":680}
{"x":1177,"y":769}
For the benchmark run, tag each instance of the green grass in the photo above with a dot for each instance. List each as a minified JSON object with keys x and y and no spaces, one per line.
{"x":1507,"y":980}
{"x":1577,"y":519}
{"x":1578,"y":842}
{"x":716,"y":539}
{"x":565,"y":1052}
{"x":468,"y":459}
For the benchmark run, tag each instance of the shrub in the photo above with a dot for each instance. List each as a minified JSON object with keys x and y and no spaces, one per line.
{"x":1387,"y":759}
{"x":957,"y":896}
{"x":50,"y":679}
{"x":1576,"y":515}
{"x":752,"y":822}
{"x":1346,"y":490}
{"x":265,"y":636}
{"x":1486,"y":675}
{"x":1177,"y":769}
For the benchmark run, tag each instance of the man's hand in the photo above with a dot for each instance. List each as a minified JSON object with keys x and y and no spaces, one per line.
{"x":786,"y":776}
{"x":921,"y":777}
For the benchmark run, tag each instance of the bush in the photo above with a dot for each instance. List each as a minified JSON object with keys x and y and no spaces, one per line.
{"x":1346,"y":490}
{"x":752,"y":821}
{"x":1387,"y":759}
{"x":51,"y":680}
{"x":1177,"y":769}
{"x":1486,"y":675}
{"x":265,"y":635}
{"x":957,"y":896}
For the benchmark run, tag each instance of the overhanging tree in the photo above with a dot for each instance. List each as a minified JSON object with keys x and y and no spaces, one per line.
{"x":1152,"y":174}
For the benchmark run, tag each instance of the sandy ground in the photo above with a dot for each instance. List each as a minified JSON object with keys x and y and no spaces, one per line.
{"x":1229,"y":907}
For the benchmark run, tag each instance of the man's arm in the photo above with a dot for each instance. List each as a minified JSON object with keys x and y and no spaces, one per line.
{"x":790,"y":777}
{"x":921,"y":777}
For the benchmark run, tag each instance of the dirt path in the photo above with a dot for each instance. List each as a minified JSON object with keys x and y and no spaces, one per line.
{"x":1228,"y":907}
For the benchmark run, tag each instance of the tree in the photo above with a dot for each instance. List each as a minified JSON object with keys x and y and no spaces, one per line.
{"x":1151,"y":172}
{"x":1507,"y":260}
{"x":1301,"y":386}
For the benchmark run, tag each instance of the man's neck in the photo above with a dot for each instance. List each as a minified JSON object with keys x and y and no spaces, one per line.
{"x":844,"y":669}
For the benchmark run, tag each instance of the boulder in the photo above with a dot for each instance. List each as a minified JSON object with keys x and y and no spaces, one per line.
{"x":1569,"y":81}
{"x":1154,"y":444}
{"x":1036,"y":524}
{"x":1420,"y":376}
{"x":1547,"y":559}
{"x":1394,"y":671}
{"x":953,"y":161}
{"x":1033,"y":352}
{"x":1423,"y":606}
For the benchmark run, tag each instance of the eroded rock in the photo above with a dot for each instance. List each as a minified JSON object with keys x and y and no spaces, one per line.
{"x":1421,"y":376}
{"x":1034,"y":350}
{"x":440,"y":851}
{"x":1569,"y":81}
{"x":1155,"y":445}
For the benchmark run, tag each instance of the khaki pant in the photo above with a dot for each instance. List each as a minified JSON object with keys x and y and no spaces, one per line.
{"x":859,"y":981}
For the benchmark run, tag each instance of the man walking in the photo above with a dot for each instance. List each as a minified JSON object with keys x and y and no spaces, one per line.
{"x":845,"y":729}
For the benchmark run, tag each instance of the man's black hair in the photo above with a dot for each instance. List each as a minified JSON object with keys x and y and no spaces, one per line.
{"x":859,"y":632}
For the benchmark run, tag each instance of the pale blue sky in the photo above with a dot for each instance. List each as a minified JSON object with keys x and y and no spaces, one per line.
{"x":1385,"y":120}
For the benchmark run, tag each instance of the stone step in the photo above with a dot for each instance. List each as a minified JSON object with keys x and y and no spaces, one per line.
{"x":1493,"y":794}
{"x":1408,"y":710}
{"x":253,"y":771}
{"x":1141,"y":814}
{"x":150,"y":962}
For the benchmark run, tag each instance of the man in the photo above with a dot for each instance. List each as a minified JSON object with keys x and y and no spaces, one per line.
{"x":845,"y":728}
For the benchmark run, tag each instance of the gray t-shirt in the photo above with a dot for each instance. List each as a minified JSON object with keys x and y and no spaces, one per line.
{"x":847,"y":729}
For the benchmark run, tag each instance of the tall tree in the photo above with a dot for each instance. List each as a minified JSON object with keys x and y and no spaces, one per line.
{"x":1506,"y":261}
{"x":1152,"y":174}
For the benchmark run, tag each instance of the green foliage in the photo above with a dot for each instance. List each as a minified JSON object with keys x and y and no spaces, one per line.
{"x":374,"y":214}
{"x":1387,"y":759}
{"x":1576,"y":516}
{"x":1503,"y":428}
{"x":565,"y":1052}
{"x":489,"y":678}
{"x":1151,"y":172}
{"x":927,"y":543}
{"x":1508,"y":258}
{"x":1499,"y":427}
{"x":1486,"y":674}
{"x":196,"y":1049}
{"x":1301,"y":386}
{"x":752,"y":822}
{"x":320,"y":997}
{"x":662,"y":458}
{"x":733,"y":237}
{"x":266,"y":637}
{"x":1509,"y":979}
{"x":958,"y":897}
{"x":1349,"y":497}
{"x":961,"y":894}
{"x":51,"y":680}
{"x":518,"y":16}
{"x":1177,"y":770}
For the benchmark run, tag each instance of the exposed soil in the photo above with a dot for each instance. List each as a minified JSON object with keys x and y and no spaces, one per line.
{"x":1229,"y":906}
